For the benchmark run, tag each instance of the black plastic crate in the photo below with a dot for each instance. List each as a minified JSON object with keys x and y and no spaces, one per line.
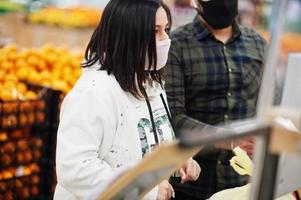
{"x":48,"y":177}
{"x":27,"y":145}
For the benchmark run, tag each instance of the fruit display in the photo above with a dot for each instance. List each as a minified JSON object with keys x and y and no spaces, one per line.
{"x":21,"y":114}
{"x":74,"y":17}
{"x":20,"y":152}
{"x":290,"y":42}
{"x":32,"y":84}
{"x":49,"y":66}
{"x":20,"y":155}
{"x":19,"y":106}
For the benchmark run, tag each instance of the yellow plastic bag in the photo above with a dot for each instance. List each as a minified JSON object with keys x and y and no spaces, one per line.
{"x":243,"y":165}
{"x":241,"y":193}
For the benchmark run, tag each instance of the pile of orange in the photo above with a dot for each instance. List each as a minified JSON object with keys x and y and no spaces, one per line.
{"x":74,"y":17}
{"x":49,"y":66}
{"x":10,"y":86}
{"x":25,"y":171}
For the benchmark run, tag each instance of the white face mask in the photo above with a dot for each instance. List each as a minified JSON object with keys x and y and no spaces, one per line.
{"x":162,"y":54}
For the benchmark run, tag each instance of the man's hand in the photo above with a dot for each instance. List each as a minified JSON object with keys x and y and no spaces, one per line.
{"x":165,"y":191}
{"x":190,"y":171}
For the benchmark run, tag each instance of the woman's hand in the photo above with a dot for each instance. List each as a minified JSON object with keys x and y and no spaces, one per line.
{"x":165,"y":191}
{"x":190,"y":171}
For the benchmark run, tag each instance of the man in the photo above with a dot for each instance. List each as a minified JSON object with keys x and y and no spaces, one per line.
{"x":213,"y":76}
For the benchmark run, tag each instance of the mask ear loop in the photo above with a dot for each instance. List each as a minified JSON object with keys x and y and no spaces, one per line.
{"x":195,"y":6}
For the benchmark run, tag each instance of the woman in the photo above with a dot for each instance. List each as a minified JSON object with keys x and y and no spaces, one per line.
{"x":116,"y":113}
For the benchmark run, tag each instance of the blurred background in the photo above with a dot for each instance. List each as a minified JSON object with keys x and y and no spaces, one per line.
{"x":41,"y":47}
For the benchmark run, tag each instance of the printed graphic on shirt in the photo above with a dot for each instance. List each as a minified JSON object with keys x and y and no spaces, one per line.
{"x":147,"y":135}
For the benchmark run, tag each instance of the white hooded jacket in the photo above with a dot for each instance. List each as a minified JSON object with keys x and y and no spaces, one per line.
{"x":102,"y":128}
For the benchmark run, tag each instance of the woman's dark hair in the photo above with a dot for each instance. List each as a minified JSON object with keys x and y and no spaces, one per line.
{"x":123,"y":38}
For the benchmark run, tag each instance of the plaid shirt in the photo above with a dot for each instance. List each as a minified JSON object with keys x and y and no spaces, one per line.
{"x":208,"y":83}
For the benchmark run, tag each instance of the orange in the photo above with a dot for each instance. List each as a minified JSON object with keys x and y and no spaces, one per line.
{"x":31,"y":118}
{"x":20,"y":157}
{"x":16,"y":134}
{"x":37,"y":154}
{"x":57,"y":66}
{"x":10,"y":121}
{"x":25,"y":192}
{"x":6,"y":159}
{"x":34,"y":190}
{"x":2,"y":75}
{"x":69,"y":79}
{"x":45,"y":75}
{"x":34,"y":168}
{"x":22,"y":73}
{"x":7,"y":174}
{"x":50,"y":58}
{"x":30,"y":95}
{"x":48,"y":47}
{"x":6,"y":95}
{"x":9,"y":147}
{"x":55,"y":75}
{"x":34,"y":77}
{"x":28,"y":157}
{"x":25,"y":106}
{"x":22,"y":145}
{"x":75,"y":63}
{"x":11,"y":77}
{"x":26,"y":171}
{"x":23,"y":119}
{"x":38,"y":142}
{"x":65,"y":59}
{"x":40,"y":117}
{"x":46,"y":83}
{"x":12,"y":56}
{"x":21,"y":87}
{"x":62,"y":50}
{"x":18,"y":184}
{"x":66,"y":71}
{"x":23,"y":54}
{"x":3,"y":136}
{"x":33,"y":61}
{"x":59,"y":85}
{"x":35,"y":179}
{"x":20,"y":63}
{"x":6,"y":65}
{"x":10,"y":85}
{"x":40,"y":105}
{"x":41,"y":65}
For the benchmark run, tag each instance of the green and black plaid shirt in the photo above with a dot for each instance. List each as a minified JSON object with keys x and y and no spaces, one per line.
{"x":208,"y":83}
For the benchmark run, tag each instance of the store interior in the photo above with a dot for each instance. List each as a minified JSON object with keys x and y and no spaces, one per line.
{"x":42,"y":44}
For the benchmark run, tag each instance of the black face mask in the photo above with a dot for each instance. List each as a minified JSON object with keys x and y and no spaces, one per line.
{"x":219,"y":14}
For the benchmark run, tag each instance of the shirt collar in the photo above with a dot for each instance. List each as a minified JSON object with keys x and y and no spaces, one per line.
{"x":202,"y":32}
